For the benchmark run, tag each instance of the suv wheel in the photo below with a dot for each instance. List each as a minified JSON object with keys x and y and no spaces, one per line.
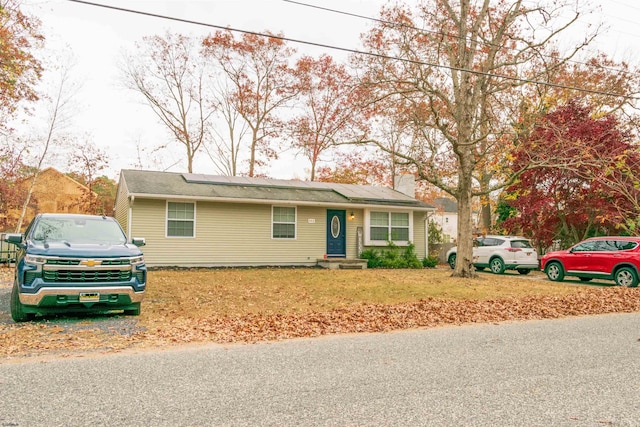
{"x":452,"y":261}
{"x":626,"y":277}
{"x":496,"y":265}
{"x":524,"y":271}
{"x":555,"y":271}
{"x":17,"y":309}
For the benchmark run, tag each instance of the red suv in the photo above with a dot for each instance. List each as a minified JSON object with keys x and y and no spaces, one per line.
{"x":610,"y":258}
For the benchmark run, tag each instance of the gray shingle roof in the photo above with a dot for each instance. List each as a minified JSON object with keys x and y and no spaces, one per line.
{"x":446,"y":204}
{"x":209,"y":187}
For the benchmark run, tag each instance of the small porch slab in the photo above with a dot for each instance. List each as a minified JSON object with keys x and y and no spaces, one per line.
{"x":343,"y":263}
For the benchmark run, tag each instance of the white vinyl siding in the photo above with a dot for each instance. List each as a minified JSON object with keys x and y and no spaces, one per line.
{"x":230,"y":234}
{"x":240,"y":234}
{"x":121,"y":208}
{"x":181,"y":219}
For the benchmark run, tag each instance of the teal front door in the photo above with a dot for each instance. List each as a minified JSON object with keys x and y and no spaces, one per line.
{"x":336,"y":233}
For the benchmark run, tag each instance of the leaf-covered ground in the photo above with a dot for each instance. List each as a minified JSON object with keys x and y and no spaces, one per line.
{"x":173,"y":316}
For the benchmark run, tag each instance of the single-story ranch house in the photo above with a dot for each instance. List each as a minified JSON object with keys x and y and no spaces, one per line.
{"x":195,"y":220}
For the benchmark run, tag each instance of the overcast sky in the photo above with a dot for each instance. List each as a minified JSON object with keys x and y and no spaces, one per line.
{"x":116,"y":119}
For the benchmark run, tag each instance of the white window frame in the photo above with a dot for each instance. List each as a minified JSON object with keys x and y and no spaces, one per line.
{"x":295,"y":222}
{"x":166,"y":219}
{"x":367,"y":228}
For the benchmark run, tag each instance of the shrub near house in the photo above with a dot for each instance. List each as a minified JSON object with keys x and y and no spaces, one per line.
{"x":395,"y":257}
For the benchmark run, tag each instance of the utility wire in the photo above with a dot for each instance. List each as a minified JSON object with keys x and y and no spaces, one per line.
{"x":437,"y":33}
{"x":354,"y":51}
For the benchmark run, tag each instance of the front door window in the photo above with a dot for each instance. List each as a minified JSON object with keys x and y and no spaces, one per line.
{"x":335,"y":226}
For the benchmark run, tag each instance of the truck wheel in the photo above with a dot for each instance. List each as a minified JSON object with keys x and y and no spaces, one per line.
{"x":17,"y":309}
{"x":133,"y":311}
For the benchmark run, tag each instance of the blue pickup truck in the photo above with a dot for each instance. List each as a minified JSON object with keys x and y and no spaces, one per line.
{"x":76,"y":263}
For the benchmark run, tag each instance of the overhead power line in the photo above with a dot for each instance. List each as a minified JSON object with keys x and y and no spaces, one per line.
{"x":437,"y":33}
{"x":354,"y":51}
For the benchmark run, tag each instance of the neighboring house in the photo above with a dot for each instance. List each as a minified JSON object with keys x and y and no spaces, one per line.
{"x":446,"y":216}
{"x":195,"y":220}
{"x":54,"y":192}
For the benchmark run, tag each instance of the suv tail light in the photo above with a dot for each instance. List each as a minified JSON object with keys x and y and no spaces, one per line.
{"x":513,"y":249}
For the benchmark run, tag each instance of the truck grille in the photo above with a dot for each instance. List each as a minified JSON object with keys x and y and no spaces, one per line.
{"x":29,"y":277}
{"x":63,"y":261}
{"x":86,"y":275}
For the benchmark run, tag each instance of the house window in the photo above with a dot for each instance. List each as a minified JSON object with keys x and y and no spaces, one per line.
{"x":181,"y":219}
{"x":283,"y":223}
{"x":379,"y":226}
{"x":389,"y":226}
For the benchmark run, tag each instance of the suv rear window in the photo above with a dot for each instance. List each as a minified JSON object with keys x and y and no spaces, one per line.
{"x":489,"y":241}
{"x":622,"y":245}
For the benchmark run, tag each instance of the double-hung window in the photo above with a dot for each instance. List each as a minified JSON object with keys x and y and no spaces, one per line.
{"x":283,"y":224}
{"x":181,"y":219}
{"x":383,"y":227}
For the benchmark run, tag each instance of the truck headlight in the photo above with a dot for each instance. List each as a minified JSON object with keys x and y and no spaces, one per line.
{"x":35,"y":259}
{"x":137,"y":260}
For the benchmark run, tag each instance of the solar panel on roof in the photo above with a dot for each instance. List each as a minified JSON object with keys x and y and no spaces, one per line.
{"x":350,"y":191}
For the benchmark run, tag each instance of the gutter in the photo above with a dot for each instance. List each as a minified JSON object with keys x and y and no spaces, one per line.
{"x":399,"y":207}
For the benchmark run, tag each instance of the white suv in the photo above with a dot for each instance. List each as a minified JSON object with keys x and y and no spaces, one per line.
{"x":500,"y":253}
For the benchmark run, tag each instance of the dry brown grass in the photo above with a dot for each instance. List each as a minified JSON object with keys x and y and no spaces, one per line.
{"x":249,"y":305}
{"x":202,"y":293}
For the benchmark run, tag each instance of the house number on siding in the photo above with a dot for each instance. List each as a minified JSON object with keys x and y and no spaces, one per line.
{"x":335,"y":226}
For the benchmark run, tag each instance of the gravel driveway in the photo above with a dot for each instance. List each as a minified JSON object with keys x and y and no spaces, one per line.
{"x":124,"y":325}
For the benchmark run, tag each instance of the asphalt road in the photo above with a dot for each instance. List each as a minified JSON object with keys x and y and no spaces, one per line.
{"x":570,"y":372}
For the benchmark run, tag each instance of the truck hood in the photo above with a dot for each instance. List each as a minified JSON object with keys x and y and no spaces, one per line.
{"x":82,"y":250}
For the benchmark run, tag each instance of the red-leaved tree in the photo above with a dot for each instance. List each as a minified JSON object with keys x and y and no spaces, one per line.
{"x":573,"y":198}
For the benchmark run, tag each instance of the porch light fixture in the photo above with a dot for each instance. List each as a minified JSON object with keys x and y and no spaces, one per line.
{"x":352,"y":215}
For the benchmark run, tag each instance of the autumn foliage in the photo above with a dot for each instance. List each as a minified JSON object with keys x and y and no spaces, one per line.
{"x":261,"y":83}
{"x":20,"y":70}
{"x":568,"y":196}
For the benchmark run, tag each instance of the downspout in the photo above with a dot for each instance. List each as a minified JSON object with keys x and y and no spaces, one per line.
{"x":426,"y":235}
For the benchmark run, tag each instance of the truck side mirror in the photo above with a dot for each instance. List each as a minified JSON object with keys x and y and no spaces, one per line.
{"x":13,"y":238}
{"x":138,"y":241}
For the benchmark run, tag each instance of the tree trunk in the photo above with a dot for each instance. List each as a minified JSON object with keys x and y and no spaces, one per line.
{"x":464,"y":255}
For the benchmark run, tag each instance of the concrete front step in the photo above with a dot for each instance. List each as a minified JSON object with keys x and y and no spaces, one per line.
{"x":343,"y":263}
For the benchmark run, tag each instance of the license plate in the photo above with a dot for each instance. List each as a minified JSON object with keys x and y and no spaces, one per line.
{"x":90,"y":297}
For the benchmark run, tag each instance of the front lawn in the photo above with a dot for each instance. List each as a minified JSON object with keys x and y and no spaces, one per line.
{"x":261,"y":304}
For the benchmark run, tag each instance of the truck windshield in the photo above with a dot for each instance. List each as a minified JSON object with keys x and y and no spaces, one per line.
{"x":78,"y":230}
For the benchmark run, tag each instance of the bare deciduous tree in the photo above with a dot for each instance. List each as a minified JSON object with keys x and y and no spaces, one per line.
{"x":59,"y":109}
{"x":261,"y":84}
{"x":169,"y":74}
{"x":326,"y":111}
